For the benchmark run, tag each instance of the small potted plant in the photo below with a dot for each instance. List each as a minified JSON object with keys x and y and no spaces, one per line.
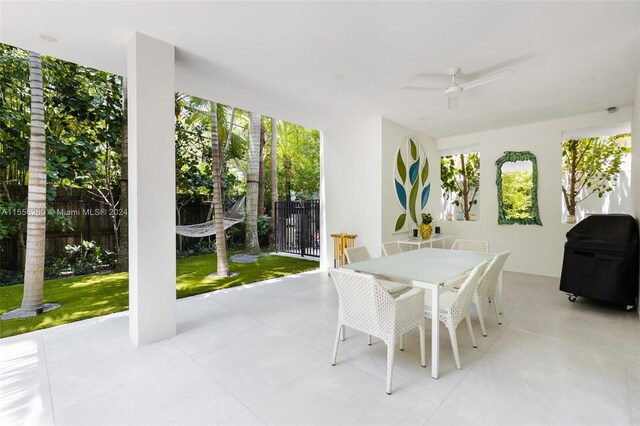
{"x":425,"y":226}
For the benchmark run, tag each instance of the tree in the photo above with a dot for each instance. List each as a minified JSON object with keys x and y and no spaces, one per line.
{"x":33,"y":297}
{"x":252,"y":245}
{"x":123,"y":252}
{"x":460,"y":180}
{"x":591,"y":166}
{"x":221,"y":243}
{"x":298,"y":161}
{"x":274,"y":177}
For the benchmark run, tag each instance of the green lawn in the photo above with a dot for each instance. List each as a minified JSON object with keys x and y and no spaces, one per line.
{"x":95,"y":295}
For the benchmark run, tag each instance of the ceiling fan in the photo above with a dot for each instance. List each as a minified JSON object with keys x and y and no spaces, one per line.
{"x":455,"y":89}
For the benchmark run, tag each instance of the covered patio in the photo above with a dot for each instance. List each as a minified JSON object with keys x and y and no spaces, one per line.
{"x":261,"y":354}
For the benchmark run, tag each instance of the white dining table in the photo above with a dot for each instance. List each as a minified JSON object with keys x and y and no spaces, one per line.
{"x":428,"y":268}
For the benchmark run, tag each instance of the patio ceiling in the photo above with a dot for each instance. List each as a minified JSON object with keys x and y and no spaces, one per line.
{"x":281,"y":59}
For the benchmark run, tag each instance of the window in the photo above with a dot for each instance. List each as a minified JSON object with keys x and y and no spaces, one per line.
{"x":596,"y":171}
{"x":460,"y":181}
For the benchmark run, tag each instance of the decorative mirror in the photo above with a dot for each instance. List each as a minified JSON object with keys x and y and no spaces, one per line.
{"x":517,"y":180}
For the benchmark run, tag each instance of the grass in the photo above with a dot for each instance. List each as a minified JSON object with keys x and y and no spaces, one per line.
{"x":95,"y":295}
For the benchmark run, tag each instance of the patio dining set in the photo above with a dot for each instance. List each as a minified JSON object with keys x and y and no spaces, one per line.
{"x":389,"y":296}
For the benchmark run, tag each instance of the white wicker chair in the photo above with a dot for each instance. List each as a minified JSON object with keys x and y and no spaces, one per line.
{"x":454,"y":307}
{"x":366,"y":306}
{"x":359,"y":254}
{"x":487,"y":287}
{"x":471,"y":245}
{"x":392,"y":247}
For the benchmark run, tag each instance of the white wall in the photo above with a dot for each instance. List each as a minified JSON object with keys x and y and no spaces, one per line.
{"x":350,"y":181}
{"x":392,"y":135}
{"x":534,"y":249}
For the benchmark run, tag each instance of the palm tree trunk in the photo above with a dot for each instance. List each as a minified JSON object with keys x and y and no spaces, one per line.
{"x":261,"y":187}
{"x":218,"y":219}
{"x":274,"y":179}
{"x":33,"y":297}
{"x":252,"y":245}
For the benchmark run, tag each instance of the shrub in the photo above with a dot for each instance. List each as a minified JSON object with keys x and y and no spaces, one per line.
{"x":200,"y":248}
{"x":10,"y":277}
{"x":85,"y":257}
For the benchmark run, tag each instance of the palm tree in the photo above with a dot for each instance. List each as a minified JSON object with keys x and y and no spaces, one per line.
{"x":207,"y":113}
{"x":33,"y":298}
{"x":274,"y":177}
{"x":252,"y":245}
{"x":218,"y":219}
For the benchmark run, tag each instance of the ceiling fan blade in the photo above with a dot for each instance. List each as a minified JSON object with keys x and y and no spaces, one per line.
{"x":421,"y":88}
{"x":453,"y":102}
{"x":509,"y":63}
{"x":486,"y":79}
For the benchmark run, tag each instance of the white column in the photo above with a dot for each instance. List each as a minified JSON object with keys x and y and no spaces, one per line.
{"x":152,"y":258}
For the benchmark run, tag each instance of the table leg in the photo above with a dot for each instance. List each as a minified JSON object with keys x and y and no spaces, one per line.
{"x":499,"y":293}
{"x":435,"y":333}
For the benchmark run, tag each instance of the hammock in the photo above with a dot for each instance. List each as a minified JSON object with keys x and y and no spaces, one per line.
{"x":205,"y":229}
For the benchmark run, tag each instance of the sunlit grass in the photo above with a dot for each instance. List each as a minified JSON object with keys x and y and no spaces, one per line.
{"x":91,"y":296}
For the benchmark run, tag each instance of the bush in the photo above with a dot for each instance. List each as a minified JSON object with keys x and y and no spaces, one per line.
{"x":200,"y":248}
{"x":237,"y":232}
{"x":53,"y":268}
{"x":86,"y":257}
{"x":10,"y":277}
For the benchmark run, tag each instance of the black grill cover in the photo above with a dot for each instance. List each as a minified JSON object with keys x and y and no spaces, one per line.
{"x":601,"y":259}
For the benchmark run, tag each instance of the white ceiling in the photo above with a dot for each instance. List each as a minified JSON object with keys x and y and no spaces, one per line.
{"x":280,"y":58}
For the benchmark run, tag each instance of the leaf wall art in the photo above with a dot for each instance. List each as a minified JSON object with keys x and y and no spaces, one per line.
{"x":411,"y":157}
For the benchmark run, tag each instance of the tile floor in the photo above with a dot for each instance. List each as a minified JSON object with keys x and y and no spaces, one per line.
{"x":260,"y":354}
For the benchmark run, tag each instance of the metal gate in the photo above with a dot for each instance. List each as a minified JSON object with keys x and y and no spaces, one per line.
{"x":298,"y":227}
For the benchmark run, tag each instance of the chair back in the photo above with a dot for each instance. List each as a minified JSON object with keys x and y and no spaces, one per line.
{"x":363,"y":304}
{"x":489,"y":279}
{"x":464,"y":296}
{"x":357,"y":254}
{"x":392,"y":247}
{"x":471,"y":245}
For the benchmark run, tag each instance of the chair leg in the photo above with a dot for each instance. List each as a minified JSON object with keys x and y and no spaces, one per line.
{"x":481,"y":318}
{"x":402,"y":342}
{"x":473,"y":338}
{"x":423,"y":351}
{"x":342,"y":334}
{"x":369,"y":339}
{"x":391,"y":351}
{"x":495,"y":308}
{"x":454,"y":344}
{"x":337,"y":343}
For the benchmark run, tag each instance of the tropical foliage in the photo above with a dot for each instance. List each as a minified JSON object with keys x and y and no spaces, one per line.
{"x":460,"y":180}
{"x":591,"y":166}
{"x":516,"y":193}
{"x":85,"y":123}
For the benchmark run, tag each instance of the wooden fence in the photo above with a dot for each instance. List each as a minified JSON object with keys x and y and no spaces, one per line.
{"x":90,"y":220}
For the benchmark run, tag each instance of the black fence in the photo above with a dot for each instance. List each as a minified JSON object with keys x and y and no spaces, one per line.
{"x":298,"y":227}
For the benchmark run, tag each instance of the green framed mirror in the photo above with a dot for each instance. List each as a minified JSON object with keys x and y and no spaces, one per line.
{"x":517,"y":181}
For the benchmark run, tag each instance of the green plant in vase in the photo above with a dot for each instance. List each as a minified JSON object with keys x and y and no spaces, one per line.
{"x":425,"y":226}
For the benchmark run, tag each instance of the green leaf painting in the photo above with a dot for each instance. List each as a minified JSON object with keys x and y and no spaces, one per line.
{"x":402,"y":169}
{"x":411,"y":178}
{"x":425,"y":171}
{"x":400,"y":222}
{"x":413,"y":195}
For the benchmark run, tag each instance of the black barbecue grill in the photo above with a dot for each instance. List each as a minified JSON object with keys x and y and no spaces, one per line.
{"x":601,"y":259}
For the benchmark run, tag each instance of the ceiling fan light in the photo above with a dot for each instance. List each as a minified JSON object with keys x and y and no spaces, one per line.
{"x":453,"y":91}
